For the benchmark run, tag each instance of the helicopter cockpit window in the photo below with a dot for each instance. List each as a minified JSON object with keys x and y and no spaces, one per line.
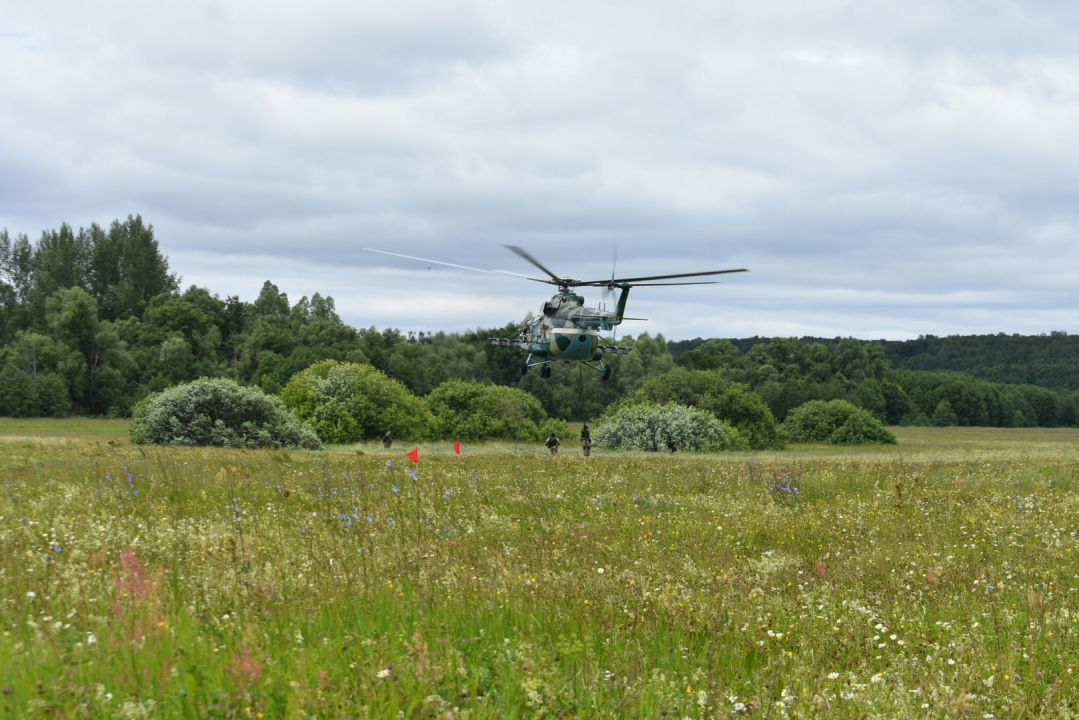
{"x":550,"y":308}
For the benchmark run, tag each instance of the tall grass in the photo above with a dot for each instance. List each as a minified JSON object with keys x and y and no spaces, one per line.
{"x":181,"y":582}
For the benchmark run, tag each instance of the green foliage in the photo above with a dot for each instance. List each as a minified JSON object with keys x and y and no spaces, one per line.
{"x":466,"y":410}
{"x":746,"y":412}
{"x":646,"y":426}
{"x":837,"y":422}
{"x":711,"y":355}
{"x":219,"y":413}
{"x":732,"y":403}
{"x":944,"y":416}
{"x":1047,"y":360}
{"x":347,"y":402}
{"x":100,"y":310}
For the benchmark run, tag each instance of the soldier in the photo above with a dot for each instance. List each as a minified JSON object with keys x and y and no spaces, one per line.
{"x":670,"y":444}
{"x":387,"y":440}
{"x":552,"y":443}
{"x":586,"y":441}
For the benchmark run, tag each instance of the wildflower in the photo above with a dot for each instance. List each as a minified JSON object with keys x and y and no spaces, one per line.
{"x":369,"y":519}
{"x":875,"y":679}
{"x":31,"y":594}
{"x":384,"y":673}
{"x":833,"y":676}
{"x":600,"y":571}
{"x":389,"y":462}
{"x":892,"y":636}
{"x":395,"y":489}
{"x":951,"y":662}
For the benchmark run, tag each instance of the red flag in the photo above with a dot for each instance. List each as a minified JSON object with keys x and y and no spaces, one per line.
{"x":414,"y":455}
{"x":457,"y":448}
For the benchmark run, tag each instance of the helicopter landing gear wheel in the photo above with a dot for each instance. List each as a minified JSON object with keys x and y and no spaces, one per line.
{"x":607,"y":373}
{"x":524,"y":366}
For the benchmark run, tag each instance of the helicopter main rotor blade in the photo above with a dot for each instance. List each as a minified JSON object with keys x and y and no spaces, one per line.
{"x":525,"y":254}
{"x":661,"y":277}
{"x":463,"y":267}
{"x":706,"y":282}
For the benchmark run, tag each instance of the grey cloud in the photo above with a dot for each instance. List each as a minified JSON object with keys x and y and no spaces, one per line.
{"x":882,"y":167}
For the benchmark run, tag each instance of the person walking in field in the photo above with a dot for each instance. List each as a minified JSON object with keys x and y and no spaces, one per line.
{"x":552,"y":444}
{"x":670,"y":444}
{"x":586,"y":441}
{"x":387,"y":440}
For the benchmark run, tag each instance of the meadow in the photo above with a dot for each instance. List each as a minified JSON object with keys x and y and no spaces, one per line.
{"x":936,"y":578}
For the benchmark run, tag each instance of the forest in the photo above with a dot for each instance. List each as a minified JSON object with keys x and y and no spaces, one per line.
{"x":93,"y":320}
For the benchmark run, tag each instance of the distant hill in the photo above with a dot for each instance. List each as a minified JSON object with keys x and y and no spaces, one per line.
{"x":1050,"y":361}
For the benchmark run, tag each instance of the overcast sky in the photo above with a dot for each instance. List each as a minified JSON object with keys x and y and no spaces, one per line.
{"x":885,"y":169}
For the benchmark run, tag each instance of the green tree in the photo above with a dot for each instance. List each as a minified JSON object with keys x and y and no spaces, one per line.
{"x":850,"y":360}
{"x":746,"y":412}
{"x":713,"y":354}
{"x":71,"y":315}
{"x":60,"y":261}
{"x":944,"y":415}
{"x":127,"y":268}
{"x":271,"y":305}
{"x":18,"y":396}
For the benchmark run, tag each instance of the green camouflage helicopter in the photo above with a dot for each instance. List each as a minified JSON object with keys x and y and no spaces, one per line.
{"x":566,"y":329}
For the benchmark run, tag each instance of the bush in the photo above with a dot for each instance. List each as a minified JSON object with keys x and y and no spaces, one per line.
{"x":219,"y":413}
{"x":466,"y":410}
{"x":646,"y":427}
{"x":733,"y":403}
{"x":838,"y":423}
{"x":347,"y":402}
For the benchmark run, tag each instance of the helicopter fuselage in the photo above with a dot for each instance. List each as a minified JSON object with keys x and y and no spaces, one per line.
{"x":567,"y":329}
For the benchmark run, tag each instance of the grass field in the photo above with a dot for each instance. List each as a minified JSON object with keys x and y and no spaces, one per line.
{"x":933,"y":579}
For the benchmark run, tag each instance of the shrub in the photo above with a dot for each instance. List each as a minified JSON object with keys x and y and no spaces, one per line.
{"x":733,"y":403}
{"x":347,"y":402}
{"x":838,"y":423}
{"x":646,"y":426}
{"x":466,"y":410}
{"x":220,"y":413}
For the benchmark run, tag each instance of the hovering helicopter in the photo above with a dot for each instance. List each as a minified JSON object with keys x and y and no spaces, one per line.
{"x":566,"y":329}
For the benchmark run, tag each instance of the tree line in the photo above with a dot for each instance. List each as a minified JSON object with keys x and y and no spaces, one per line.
{"x":93,"y":321}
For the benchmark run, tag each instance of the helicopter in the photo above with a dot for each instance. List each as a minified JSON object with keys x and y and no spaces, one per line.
{"x":566,"y":329}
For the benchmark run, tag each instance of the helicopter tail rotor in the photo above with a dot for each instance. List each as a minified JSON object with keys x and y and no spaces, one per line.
{"x":608,"y":289}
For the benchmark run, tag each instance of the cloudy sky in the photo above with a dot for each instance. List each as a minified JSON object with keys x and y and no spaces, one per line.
{"x":885,"y":169}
